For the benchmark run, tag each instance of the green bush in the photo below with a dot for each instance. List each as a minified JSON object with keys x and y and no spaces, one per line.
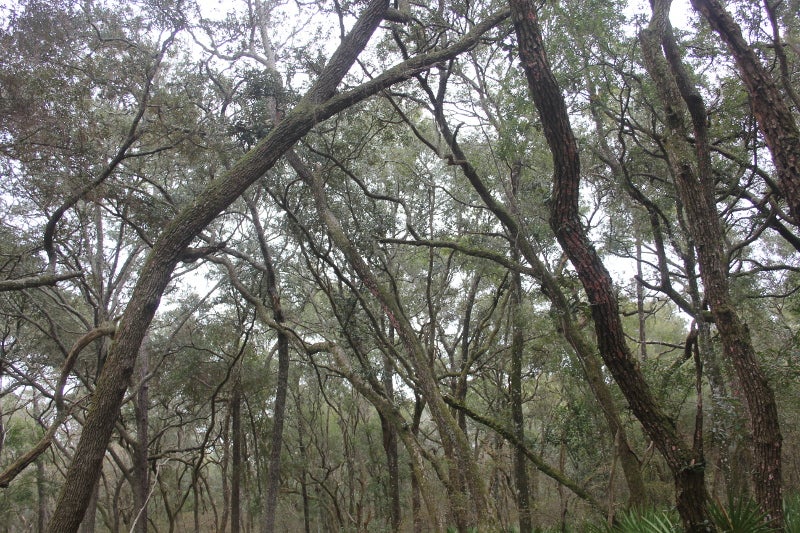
{"x":740,"y":515}
{"x":642,"y":521}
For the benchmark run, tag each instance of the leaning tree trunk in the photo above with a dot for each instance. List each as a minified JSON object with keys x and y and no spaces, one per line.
{"x":566,"y":223}
{"x":319,"y":104}
{"x":695,"y":184}
{"x":84,"y":471}
{"x":774,"y":117}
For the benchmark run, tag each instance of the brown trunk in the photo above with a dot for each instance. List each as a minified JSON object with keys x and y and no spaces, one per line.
{"x":303,"y":476}
{"x":775,"y":119}
{"x":274,"y":468}
{"x":282,"y":383}
{"x":695,"y":184}
{"x":416,"y":493}
{"x":88,"y":522}
{"x":566,"y":223}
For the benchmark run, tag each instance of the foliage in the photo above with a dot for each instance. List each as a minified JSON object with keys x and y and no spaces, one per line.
{"x":739,"y":515}
{"x":641,"y":521}
{"x":115,"y":117}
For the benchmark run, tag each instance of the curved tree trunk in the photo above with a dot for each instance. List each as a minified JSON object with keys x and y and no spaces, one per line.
{"x":166,"y":253}
{"x":566,"y":223}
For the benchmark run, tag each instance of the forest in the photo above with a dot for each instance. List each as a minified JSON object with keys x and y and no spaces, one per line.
{"x":365,"y":266}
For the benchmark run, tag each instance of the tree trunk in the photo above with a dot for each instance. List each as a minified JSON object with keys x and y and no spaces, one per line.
{"x":390,"y":448}
{"x":84,"y":471}
{"x":41,"y":495}
{"x":141,"y":477}
{"x":90,"y":518}
{"x":566,"y":223}
{"x":236,"y":448}
{"x":775,"y":119}
{"x":274,"y":471}
{"x":695,"y":184}
{"x":518,"y":327}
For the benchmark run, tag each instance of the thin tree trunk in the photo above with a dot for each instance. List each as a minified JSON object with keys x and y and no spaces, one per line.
{"x":640,"y":298}
{"x":518,"y":327}
{"x":390,"y":448}
{"x":41,"y":495}
{"x":416,"y":498}
{"x":303,"y":478}
{"x":141,"y":477}
{"x":236,"y":448}
{"x":282,"y":383}
{"x":274,"y":469}
{"x":41,"y":480}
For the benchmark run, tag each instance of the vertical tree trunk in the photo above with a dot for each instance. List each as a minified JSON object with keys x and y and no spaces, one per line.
{"x":416,"y":497}
{"x":303,"y":475}
{"x":141,"y":477}
{"x":640,"y":299}
{"x":517,"y":416}
{"x":566,"y":223}
{"x":276,"y":442}
{"x":41,"y":495}
{"x":236,"y":448}
{"x":196,"y":503}
{"x":390,"y":449}
{"x":518,"y":327}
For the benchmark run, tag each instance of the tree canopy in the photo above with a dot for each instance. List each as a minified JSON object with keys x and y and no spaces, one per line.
{"x":373,"y":266}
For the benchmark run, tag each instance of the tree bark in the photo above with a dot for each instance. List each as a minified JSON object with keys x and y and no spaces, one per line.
{"x":694,"y":181}
{"x":774,"y":117}
{"x":566,"y":224}
{"x":236,"y":448}
{"x":390,"y":449}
